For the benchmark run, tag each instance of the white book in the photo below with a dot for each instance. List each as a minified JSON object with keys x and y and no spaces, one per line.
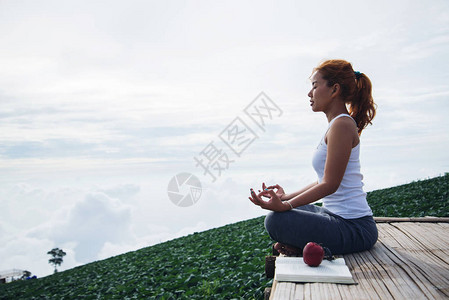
{"x":294,"y":269}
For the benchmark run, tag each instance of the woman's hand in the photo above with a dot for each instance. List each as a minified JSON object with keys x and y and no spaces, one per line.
{"x":274,"y":203}
{"x":279,"y":190}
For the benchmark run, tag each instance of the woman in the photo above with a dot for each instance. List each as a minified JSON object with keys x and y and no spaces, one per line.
{"x":344,"y":224}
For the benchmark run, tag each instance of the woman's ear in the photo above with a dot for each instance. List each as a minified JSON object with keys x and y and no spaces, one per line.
{"x":335,"y":90}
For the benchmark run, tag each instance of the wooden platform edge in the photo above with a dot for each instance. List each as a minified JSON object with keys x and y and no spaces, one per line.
{"x":417,"y":219}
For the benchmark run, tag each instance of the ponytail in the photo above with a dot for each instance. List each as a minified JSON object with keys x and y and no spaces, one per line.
{"x":355,"y":90}
{"x":362,"y":107}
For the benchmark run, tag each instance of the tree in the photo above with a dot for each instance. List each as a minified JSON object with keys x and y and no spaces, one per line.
{"x":56,"y":260}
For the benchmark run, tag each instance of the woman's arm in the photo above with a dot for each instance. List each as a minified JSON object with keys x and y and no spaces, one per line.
{"x":291,"y":195}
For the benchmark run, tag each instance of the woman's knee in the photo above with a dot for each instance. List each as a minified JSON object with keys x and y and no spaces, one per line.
{"x":272,"y":223}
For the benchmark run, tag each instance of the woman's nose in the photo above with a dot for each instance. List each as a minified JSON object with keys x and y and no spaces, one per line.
{"x":310,"y":94}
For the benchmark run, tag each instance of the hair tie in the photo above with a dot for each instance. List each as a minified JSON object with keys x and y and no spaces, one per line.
{"x":357,"y":74}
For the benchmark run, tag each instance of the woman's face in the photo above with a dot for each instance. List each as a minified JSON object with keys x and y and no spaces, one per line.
{"x":320,"y":94}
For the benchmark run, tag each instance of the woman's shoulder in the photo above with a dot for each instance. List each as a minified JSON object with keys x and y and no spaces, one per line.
{"x":344,"y":122}
{"x":344,"y":127}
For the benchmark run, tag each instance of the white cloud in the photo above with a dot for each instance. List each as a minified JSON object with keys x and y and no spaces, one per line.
{"x":122,"y":191}
{"x":427,"y":48}
{"x":91,"y":223}
{"x":25,"y":253}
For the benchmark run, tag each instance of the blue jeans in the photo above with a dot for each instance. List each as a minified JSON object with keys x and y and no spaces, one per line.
{"x":311,"y":223}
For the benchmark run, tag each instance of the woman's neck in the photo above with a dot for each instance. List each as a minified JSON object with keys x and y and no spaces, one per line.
{"x":332,"y":114}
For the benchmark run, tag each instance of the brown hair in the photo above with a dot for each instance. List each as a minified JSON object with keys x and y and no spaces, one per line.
{"x":355,"y":89}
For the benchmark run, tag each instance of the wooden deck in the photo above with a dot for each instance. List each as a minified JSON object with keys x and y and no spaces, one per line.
{"x":409,"y":261}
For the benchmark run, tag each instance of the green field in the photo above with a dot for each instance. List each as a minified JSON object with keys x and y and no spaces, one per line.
{"x":221,"y":263}
{"x":417,"y":199}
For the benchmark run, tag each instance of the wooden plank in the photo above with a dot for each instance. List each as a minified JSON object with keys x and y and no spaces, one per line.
{"x":333,"y":291}
{"x":387,"y":274}
{"x":422,"y":220}
{"x":420,"y":272}
{"x":306,"y":292}
{"x":415,"y":285}
{"x":366,"y":277}
{"x":387,"y":234}
{"x":444,"y":224}
{"x":416,"y":240}
{"x":367,"y":288}
{"x":299,"y":292}
{"x":284,"y":290}
{"x":344,"y":291}
{"x":432,"y":248}
{"x":273,"y":290}
{"x":433,"y":237}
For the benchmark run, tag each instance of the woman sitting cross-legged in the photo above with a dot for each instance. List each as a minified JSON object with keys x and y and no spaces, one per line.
{"x":344,"y":223}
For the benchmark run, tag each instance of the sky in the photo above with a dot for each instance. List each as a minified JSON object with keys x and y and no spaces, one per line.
{"x":104,"y":103}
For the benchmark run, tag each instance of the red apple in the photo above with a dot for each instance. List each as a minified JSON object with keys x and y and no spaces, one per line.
{"x":313,"y":254}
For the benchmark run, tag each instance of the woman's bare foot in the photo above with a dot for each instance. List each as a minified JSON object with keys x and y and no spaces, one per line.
{"x":286,"y":249}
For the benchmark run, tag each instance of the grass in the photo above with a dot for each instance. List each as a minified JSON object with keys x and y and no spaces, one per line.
{"x":221,"y":263}
{"x":417,"y":199}
{"x":224,"y":263}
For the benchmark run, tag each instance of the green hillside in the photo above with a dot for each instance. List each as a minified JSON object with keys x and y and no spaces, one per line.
{"x":417,"y":199}
{"x":221,"y":263}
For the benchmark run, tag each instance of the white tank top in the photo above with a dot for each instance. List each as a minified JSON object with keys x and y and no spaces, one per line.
{"x":349,"y":201}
